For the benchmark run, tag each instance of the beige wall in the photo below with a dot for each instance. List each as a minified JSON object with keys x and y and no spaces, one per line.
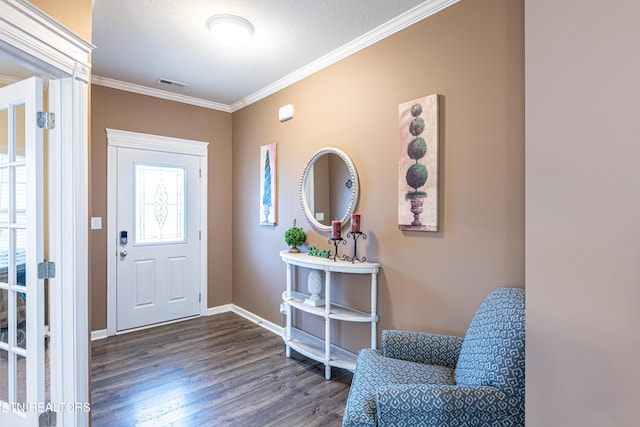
{"x":583,"y":212}
{"x":582,"y":204}
{"x":472,"y":54}
{"x":137,"y":113}
{"x":74,"y":14}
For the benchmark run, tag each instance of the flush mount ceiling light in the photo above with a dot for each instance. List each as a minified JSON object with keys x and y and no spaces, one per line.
{"x":230,"y":30}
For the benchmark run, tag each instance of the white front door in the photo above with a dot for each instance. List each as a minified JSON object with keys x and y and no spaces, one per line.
{"x":22,"y":332}
{"x":158,"y":237}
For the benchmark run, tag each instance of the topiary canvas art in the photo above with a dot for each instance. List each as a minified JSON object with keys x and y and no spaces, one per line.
{"x":268,"y":184}
{"x":418,"y":164}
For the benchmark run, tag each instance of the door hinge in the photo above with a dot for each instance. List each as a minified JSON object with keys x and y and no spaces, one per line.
{"x":199,"y":235}
{"x":46,"y":120}
{"x":200,"y":173}
{"x":46,"y":270}
{"x":47,"y":419}
{"x":200,"y":297}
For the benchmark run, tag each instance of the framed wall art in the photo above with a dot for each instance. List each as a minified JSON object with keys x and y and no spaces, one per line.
{"x":418,"y":164}
{"x":268,"y":198}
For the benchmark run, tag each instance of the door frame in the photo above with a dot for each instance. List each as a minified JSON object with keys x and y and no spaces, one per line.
{"x":125,"y":139}
{"x":38,"y":42}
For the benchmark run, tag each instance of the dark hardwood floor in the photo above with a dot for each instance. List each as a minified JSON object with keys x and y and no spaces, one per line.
{"x":220,"y":370}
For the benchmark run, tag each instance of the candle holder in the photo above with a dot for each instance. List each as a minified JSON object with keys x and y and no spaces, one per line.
{"x":355,"y":235}
{"x":335,"y":243}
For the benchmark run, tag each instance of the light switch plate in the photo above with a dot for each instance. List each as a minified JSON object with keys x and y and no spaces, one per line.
{"x":320,"y":216}
{"x":96,"y":223}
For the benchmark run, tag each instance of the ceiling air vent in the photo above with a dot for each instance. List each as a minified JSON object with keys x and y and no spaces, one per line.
{"x":172,"y":83}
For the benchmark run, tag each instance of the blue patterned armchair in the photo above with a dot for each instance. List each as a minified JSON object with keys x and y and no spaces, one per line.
{"x":421,"y":379}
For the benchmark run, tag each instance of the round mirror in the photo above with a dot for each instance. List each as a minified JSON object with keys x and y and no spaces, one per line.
{"x":329,"y":188}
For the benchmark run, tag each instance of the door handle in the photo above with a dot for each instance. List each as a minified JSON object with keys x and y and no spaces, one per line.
{"x":123,"y":253}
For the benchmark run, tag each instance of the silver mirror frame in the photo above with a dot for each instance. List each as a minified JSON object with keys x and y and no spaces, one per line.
{"x":355,"y":188}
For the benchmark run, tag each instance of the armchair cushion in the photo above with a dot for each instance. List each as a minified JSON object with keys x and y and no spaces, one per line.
{"x":422,"y":347}
{"x":376,"y":371}
{"x":444,"y":405}
{"x":493,"y":353}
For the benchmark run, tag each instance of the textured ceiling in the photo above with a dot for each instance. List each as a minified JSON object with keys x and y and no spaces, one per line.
{"x":141,"y":41}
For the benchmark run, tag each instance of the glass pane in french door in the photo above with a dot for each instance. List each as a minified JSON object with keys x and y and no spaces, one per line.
{"x":4,"y":376}
{"x":20,"y":142}
{"x":4,"y":202}
{"x":4,"y":318}
{"x":20,"y":184}
{"x":21,"y":380}
{"x":160,"y":204}
{"x":4,"y":136}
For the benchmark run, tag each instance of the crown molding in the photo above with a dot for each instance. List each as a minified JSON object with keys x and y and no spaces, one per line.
{"x":418,"y":13}
{"x":157,"y":93}
{"x":23,"y":27}
{"x":387,"y":29}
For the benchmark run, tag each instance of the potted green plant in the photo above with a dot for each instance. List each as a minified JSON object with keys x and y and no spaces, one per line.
{"x":294,"y":237}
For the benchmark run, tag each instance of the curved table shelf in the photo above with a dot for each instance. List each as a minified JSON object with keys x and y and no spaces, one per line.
{"x":317,"y":348}
{"x":337,"y":312}
{"x":313,"y":348}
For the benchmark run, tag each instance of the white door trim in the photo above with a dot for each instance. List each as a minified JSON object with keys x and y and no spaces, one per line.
{"x":35,"y":40}
{"x":40,"y":42}
{"x":125,"y":139}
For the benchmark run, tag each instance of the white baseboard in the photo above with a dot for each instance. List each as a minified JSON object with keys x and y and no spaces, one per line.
{"x":219,"y":309}
{"x":271,"y":327}
{"x":100,"y":334}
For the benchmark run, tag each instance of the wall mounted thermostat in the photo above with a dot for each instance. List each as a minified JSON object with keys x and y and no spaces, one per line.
{"x":285,"y":113}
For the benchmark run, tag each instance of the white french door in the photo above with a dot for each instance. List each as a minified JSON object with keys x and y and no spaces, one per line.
{"x":22,"y":331}
{"x":158,"y":237}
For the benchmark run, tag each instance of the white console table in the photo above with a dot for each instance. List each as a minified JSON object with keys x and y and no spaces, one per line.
{"x":308,"y":345}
